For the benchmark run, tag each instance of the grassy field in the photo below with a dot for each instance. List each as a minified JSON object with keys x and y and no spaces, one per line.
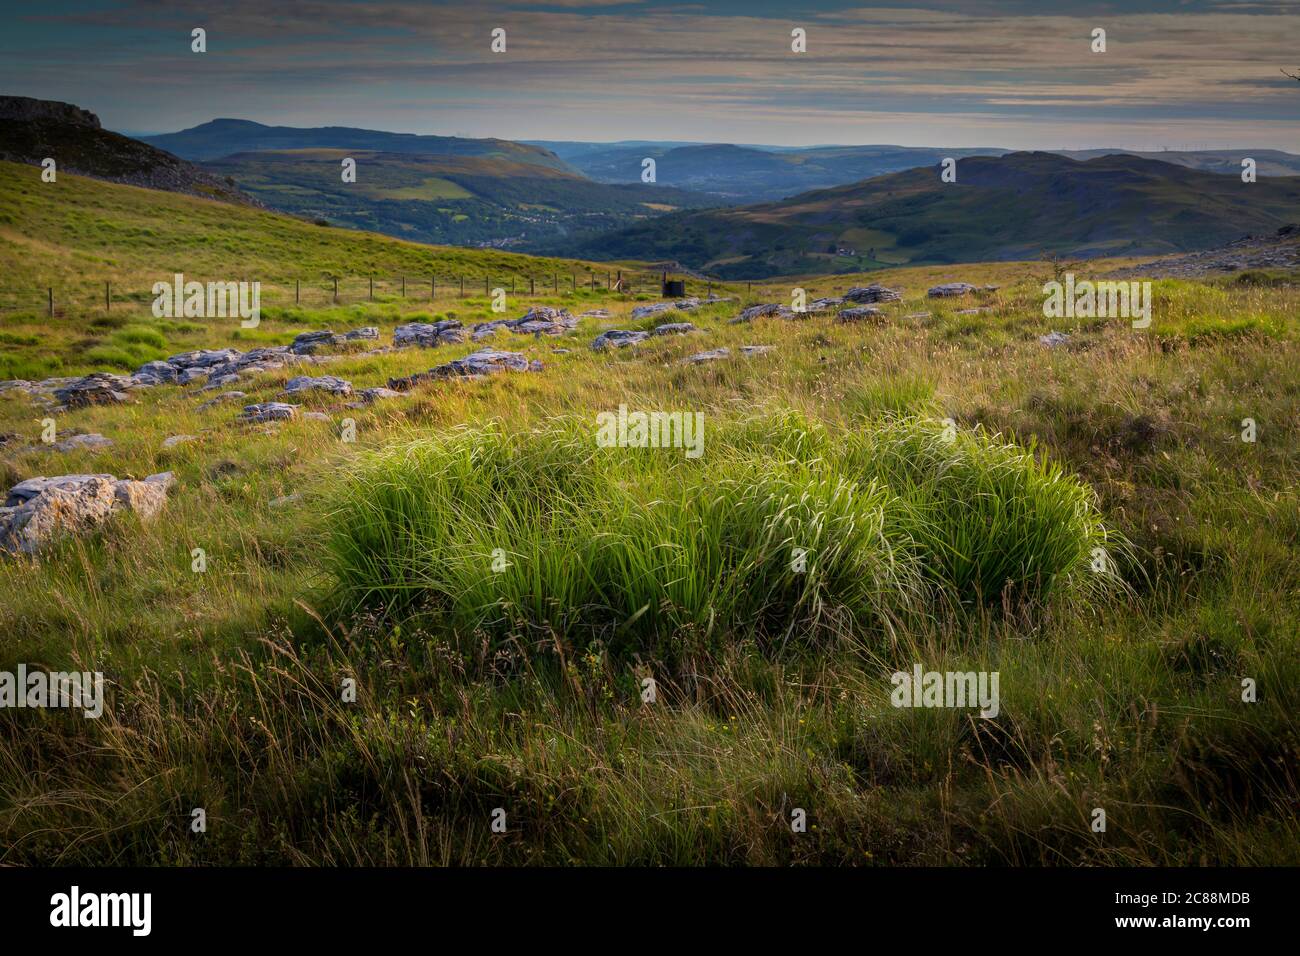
{"x":522,"y":689}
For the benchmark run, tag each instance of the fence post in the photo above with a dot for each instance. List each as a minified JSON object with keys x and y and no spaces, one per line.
{"x":297,"y":291}
{"x":462,"y":287}
{"x":108,"y":298}
{"x":486,"y":282}
{"x":403,"y":287}
{"x":372,"y":288}
{"x":51,"y":291}
{"x":573,"y":277}
{"x":433,"y":288}
{"x":336,"y":290}
{"x":532,"y":286}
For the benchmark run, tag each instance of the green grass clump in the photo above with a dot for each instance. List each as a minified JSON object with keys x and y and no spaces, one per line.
{"x":780,"y":528}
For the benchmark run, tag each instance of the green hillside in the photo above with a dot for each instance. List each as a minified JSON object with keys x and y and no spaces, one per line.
{"x":1001,"y":208}
{"x":79,"y":232}
{"x":463,"y":200}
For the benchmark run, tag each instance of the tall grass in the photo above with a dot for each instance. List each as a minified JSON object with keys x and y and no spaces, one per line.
{"x":782,"y":528}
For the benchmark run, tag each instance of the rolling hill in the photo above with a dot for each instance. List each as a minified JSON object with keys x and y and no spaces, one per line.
{"x":460,"y":200}
{"x":32,"y":130}
{"x":225,"y":137}
{"x":1017,"y":206}
{"x":1270,"y":162}
{"x":748,"y":174}
{"x":75,"y":235}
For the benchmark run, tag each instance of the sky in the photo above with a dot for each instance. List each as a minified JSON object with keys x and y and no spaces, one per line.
{"x":1019,"y":74}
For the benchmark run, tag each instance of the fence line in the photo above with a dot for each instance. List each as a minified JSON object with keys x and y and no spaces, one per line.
{"x":350,"y":290}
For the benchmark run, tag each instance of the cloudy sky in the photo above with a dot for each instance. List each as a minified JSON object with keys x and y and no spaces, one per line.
{"x":1016,"y":73}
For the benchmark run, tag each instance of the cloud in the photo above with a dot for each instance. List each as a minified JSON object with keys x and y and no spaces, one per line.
{"x":640,"y":64}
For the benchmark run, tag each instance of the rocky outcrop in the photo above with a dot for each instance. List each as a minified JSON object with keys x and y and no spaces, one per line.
{"x":477,"y":364}
{"x":31,"y":130}
{"x":324,"y":383}
{"x":429,"y":334}
{"x":950,"y":290}
{"x":38,"y":510}
{"x":539,"y":320}
{"x":98,"y":388}
{"x":312,"y":343}
{"x":872,"y":293}
{"x":860,"y":313}
{"x":267,"y":412}
{"x":716,"y":355}
{"x":617,"y":339}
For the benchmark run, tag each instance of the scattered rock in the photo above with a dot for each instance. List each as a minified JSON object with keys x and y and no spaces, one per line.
{"x":267,"y":412}
{"x":309,"y":343}
{"x":375,"y":394}
{"x":674,"y":328}
{"x":714,"y":355}
{"x":323,"y":383}
{"x":285,"y":500}
{"x":872,"y":293}
{"x":860,"y":313}
{"x":540,"y":320}
{"x":429,"y":334}
{"x":317,"y":416}
{"x":93,"y":440}
{"x":918,"y":315}
{"x":617,"y":339}
{"x":173,"y":440}
{"x":223,"y":397}
{"x":1053,"y":339}
{"x":758,"y":312}
{"x":97,"y":388}
{"x":950,"y":289}
{"x":39,"y":509}
{"x":482,"y":362}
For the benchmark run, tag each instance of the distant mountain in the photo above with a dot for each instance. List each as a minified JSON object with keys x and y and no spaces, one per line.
{"x":33,"y":130}
{"x":746,"y":174}
{"x":1269,"y":162}
{"x":225,"y":137}
{"x":458,"y":200}
{"x":1011,"y":207}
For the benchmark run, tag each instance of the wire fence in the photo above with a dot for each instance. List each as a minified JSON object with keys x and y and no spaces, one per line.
{"x":91,"y":298}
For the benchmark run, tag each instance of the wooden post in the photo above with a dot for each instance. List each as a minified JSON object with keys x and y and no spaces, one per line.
{"x":532,"y":286}
{"x":336,"y":290}
{"x":372,"y":288}
{"x":51,"y":301}
{"x":573,"y":277}
{"x":297,"y":291}
{"x":462,"y":287}
{"x":512,"y":283}
{"x":433,"y":288}
{"x":486,"y":290}
{"x":555,"y":281}
{"x":108,"y":298}
{"x":403,"y":287}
